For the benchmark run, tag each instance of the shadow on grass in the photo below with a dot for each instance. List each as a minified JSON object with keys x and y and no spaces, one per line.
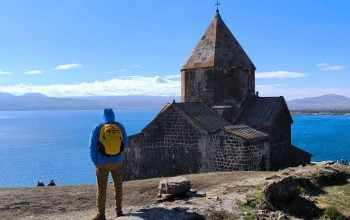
{"x":290,"y":194}
{"x":286,"y":195}
{"x":166,"y":214}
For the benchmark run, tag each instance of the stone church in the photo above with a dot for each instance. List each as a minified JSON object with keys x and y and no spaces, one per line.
{"x":221,"y":124}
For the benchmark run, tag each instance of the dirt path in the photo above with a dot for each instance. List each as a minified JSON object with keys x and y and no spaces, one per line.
{"x":78,"y":202}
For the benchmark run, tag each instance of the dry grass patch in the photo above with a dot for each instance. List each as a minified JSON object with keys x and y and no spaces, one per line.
{"x":336,"y":196}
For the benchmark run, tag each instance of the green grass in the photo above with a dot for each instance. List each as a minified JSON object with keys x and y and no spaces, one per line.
{"x":332,"y":213}
{"x":221,"y":215}
{"x":245,"y":210}
{"x":255,"y":201}
{"x":336,"y":196}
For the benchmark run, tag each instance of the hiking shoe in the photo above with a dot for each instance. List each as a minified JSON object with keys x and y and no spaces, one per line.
{"x":99,"y":216}
{"x":119,"y":213}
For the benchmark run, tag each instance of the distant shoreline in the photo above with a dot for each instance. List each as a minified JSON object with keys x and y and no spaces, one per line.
{"x":293,"y":112}
{"x":322,"y":112}
{"x":322,"y":105}
{"x":94,"y":109}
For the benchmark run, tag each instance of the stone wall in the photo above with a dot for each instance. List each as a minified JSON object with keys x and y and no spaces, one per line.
{"x":258,"y":155}
{"x":169,"y":147}
{"x":227,"y":152}
{"x":280,"y":141}
{"x":215,"y":85}
{"x":133,"y":158}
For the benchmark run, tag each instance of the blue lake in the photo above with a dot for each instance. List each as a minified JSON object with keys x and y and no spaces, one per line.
{"x":45,"y":145}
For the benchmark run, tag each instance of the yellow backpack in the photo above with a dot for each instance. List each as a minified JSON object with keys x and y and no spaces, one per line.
{"x":110,"y":139}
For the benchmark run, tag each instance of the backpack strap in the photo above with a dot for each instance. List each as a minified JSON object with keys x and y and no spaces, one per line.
{"x":122,"y":144}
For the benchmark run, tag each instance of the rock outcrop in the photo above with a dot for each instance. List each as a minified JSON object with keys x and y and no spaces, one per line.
{"x":174,"y":187}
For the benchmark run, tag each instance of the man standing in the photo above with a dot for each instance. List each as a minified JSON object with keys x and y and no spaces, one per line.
{"x":107,"y":143}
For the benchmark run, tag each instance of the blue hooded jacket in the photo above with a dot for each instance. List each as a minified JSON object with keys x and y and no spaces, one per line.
{"x":96,"y":156}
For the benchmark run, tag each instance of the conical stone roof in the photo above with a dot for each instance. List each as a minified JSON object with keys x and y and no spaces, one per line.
{"x":217,"y":48}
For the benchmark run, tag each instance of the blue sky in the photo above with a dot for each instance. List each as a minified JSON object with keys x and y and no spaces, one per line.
{"x":111,"y":47}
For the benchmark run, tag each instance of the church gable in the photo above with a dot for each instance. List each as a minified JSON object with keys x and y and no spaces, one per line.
{"x":168,"y":146}
{"x":196,"y":114}
{"x":263,"y":112}
{"x":154,"y":123}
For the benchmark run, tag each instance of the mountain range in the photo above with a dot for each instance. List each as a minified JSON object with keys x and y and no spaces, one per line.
{"x":324,"y":102}
{"x":37,"y":101}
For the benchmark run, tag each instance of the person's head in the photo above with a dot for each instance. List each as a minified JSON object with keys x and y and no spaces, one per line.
{"x":108,"y":115}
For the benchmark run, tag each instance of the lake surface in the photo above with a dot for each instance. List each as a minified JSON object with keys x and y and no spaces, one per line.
{"x":45,"y":145}
{"x":326,"y":137}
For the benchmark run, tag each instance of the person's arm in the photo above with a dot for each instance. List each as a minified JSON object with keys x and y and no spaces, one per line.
{"x":93,"y":144}
{"x":125,"y":136}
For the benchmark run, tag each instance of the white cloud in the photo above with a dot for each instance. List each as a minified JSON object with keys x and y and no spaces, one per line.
{"x":169,"y":85}
{"x":33,"y":72}
{"x":5,"y":72}
{"x":135,"y":85}
{"x":329,"y":67}
{"x":68,"y":66}
{"x":296,"y":93}
{"x":279,"y":75}
{"x":159,"y":79}
{"x":122,"y":70}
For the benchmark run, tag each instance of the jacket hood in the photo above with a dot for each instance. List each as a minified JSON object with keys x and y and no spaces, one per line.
{"x":108,"y":115}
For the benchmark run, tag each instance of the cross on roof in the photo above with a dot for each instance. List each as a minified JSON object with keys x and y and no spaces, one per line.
{"x":217,"y":5}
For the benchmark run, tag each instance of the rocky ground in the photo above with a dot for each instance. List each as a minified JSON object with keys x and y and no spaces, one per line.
{"x":315,"y":191}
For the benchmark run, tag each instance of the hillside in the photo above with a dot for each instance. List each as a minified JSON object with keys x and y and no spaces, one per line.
{"x":325,"y":102}
{"x":37,"y":101}
{"x":304,"y":192}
